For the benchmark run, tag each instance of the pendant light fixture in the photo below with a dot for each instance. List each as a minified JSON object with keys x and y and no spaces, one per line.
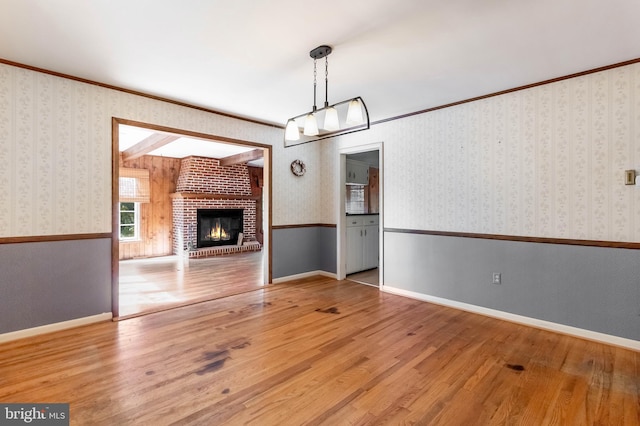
{"x":338,"y":119}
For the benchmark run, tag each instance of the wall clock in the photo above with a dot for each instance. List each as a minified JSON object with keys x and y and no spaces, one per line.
{"x":298,"y":168}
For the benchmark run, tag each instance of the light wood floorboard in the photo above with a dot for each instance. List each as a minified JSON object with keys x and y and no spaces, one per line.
{"x":370,"y":276}
{"x":160,"y":283}
{"x":322,"y":352}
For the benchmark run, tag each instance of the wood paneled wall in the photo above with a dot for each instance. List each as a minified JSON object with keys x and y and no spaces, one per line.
{"x":373,"y":191}
{"x":156,"y":217}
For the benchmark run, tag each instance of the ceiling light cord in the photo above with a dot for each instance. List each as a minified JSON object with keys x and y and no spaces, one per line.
{"x":326,"y":81}
{"x":315,"y":84}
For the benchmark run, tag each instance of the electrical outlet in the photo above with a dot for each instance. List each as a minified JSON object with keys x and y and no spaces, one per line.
{"x":629,"y":177}
{"x":497,"y":278}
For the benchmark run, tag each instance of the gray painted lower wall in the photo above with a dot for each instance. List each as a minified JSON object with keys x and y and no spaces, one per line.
{"x":327,"y":243}
{"x":49,"y":282}
{"x":592,"y":288}
{"x":303,"y":249}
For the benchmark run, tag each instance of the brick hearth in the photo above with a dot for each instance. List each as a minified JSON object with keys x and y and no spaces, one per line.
{"x":221,"y":250}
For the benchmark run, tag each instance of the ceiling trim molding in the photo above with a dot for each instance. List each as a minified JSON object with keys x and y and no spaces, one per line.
{"x":135,"y":92}
{"x":279,"y":126}
{"x":515,"y":89}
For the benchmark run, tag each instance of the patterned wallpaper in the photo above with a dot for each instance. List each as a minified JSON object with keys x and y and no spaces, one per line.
{"x":301,"y":194}
{"x":547,"y":161}
{"x":55,"y":152}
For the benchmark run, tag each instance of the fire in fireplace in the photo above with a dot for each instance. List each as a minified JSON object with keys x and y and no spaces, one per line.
{"x":217,"y":227}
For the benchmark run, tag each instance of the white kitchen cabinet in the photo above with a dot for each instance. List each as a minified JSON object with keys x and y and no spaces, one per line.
{"x":355,"y":251}
{"x":357,"y":173}
{"x":362,"y":242}
{"x":370,"y":244}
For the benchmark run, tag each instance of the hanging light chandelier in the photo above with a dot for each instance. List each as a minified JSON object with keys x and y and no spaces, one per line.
{"x":338,"y":119}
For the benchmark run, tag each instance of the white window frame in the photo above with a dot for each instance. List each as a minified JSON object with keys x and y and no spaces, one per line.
{"x":136,"y":221}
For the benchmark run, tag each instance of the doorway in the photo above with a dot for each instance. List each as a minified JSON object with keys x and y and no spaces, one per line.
{"x":157,"y":264}
{"x":360,"y":237}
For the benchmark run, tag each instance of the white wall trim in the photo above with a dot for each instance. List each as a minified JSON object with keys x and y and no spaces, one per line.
{"x":303,"y":275}
{"x":341,"y":225}
{"x":532,"y":322}
{"x":58,"y":326}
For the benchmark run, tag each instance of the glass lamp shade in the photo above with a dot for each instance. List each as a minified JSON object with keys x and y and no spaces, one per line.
{"x":354,"y":114}
{"x":341,"y":118}
{"x":310,"y":125}
{"x":292,"y":133}
{"x":331,"y":121}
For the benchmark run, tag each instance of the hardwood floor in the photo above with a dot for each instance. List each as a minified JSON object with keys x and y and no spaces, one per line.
{"x":160,"y":283}
{"x":371,"y":277}
{"x":320,"y":351}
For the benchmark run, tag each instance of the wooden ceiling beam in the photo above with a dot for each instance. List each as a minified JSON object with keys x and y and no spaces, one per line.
{"x":147,"y":145}
{"x":241,"y":158}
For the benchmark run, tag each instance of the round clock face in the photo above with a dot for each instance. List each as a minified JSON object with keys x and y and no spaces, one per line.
{"x":298,"y":168}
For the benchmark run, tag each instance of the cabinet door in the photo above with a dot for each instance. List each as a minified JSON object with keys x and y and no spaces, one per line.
{"x":361,"y":174}
{"x":354,"y":249}
{"x":371,"y":246}
{"x":357,"y":173}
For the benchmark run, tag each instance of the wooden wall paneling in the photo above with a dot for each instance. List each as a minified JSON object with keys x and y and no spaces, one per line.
{"x":158,"y":228}
{"x":140,"y":247}
{"x":123,"y":251}
{"x":163,"y":221}
{"x":374,"y":190}
{"x":137,"y":248}
{"x":156,"y":217}
{"x":367,"y":207}
{"x":172,"y":171}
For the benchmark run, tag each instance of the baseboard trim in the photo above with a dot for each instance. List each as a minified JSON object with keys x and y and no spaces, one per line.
{"x":303,"y":275}
{"x":532,"y":322}
{"x":49,"y":328}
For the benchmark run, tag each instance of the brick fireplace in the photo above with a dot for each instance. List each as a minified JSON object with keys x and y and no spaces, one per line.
{"x":203,"y":184}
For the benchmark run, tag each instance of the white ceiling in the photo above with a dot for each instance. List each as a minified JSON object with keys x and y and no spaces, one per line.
{"x":184,"y":146}
{"x":251,"y":57}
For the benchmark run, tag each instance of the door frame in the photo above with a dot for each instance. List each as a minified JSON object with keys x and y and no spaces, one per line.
{"x":341,"y":243}
{"x":115,"y":194}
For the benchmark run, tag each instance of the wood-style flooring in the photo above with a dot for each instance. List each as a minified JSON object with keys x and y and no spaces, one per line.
{"x":320,"y":351}
{"x":160,"y":283}
{"x":370,"y":277}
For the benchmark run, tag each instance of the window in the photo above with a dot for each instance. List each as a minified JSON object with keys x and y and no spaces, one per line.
{"x":355,"y":199}
{"x":129,"y":221}
{"x":133,"y":190}
{"x":134,"y":185}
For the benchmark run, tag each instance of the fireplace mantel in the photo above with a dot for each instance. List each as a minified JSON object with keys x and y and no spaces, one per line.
{"x":208,"y":196}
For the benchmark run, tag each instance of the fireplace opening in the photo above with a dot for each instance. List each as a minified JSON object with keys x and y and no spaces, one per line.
{"x":218,"y":227}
